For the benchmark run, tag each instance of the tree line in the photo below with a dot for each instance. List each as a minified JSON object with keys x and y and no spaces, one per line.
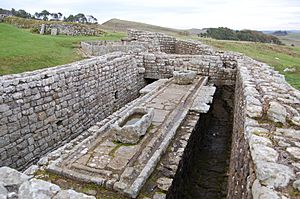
{"x":223,"y":33}
{"x":48,"y":16}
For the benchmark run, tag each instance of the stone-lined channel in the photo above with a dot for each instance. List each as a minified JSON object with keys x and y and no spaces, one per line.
{"x":206,"y":159}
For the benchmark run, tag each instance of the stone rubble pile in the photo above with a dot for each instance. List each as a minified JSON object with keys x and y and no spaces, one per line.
{"x":17,"y":185}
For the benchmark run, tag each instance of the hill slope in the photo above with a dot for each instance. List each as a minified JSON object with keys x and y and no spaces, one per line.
{"x":123,"y":25}
{"x":23,"y":51}
{"x":291,"y":38}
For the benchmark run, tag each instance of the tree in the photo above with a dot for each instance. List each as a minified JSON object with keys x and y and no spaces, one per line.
{"x":91,"y":19}
{"x":243,"y":35}
{"x":70,"y":18}
{"x":13,"y":11}
{"x":20,"y":13}
{"x":44,"y":14}
{"x":54,"y":16}
{"x":59,"y":15}
{"x":80,"y":18}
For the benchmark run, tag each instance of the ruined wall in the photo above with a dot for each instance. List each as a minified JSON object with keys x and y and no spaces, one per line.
{"x":193,"y":48}
{"x":159,"y":66}
{"x":42,"y":109}
{"x":265,"y":137}
{"x":71,"y":29}
{"x":240,"y":171}
{"x":98,"y":48}
{"x":161,"y":42}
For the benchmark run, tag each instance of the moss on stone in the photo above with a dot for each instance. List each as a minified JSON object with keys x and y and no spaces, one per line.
{"x":87,"y":188}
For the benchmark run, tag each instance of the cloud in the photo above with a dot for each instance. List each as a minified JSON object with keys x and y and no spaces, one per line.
{"x":237,"y":14}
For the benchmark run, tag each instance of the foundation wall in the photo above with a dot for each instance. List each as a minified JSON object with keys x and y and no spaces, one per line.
{"x":40,"y":110}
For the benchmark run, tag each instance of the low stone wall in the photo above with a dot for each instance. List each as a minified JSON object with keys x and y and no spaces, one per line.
{"x":43,"y":109}
{"x":98,"y":48}
{"x":71,"y":29}
{"x":164,"y":42}
{"x":264,"y":161}
{"x":160,"y":65}
{"x":193,"y":48}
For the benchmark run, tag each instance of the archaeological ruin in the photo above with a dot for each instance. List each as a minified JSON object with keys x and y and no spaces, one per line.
{"x":150,"y":116}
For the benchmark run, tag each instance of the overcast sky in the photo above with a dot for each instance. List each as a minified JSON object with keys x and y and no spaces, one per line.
{"x":236,"y":14}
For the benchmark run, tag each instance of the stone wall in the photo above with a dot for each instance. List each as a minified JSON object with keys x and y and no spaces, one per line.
{"x":264,"y":160}
{"x":98,"y":48}
{"x":240,"y":169}
{"x":43,"y":109}
{"x":193,"y":48}
{"x":219,"y":69}
{"x":71,"y":29}
{"x":160,"y":41}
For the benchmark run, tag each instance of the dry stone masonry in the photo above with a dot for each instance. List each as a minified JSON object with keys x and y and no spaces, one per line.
{"x":70,"y":29}
{"x":41,"y":110}
{"x":61,"y":116}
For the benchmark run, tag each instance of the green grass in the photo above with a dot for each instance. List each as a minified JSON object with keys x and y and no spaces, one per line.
{"x":23,"y":51}
{"x":280,"y":57}
{"x":124,"y":25}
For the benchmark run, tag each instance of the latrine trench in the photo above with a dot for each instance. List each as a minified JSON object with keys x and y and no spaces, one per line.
{"x":205,"y":162}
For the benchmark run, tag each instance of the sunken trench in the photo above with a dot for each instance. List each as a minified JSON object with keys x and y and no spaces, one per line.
{"x":203,"y":169}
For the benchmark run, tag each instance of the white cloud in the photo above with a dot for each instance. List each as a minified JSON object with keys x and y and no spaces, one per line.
{"x":237,"y":14}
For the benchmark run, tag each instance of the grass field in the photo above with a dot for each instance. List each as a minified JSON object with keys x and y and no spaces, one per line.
{"x":124,"y":25}
{"x":280,"y":57}
{"x":23,"y":51}
{"x":291,"y":38}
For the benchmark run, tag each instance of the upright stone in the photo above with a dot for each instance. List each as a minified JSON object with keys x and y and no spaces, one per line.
{"x":42,"y":31}
{"x":54,"y":31}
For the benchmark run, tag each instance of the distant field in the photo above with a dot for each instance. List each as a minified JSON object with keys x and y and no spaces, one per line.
{"x":123,"y":26}
{"x":280,"y":57}
{"x":291,"y":38}
{"x":23,"y":51}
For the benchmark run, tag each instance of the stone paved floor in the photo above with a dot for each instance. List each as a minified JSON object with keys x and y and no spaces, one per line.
{"x":118,"y":165}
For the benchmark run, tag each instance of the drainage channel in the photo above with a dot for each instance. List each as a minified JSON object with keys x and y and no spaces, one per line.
{"x":206,"y":159}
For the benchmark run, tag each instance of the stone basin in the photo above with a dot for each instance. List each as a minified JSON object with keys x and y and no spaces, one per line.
{"x":184,"y":77}
{"x":134,"y":124}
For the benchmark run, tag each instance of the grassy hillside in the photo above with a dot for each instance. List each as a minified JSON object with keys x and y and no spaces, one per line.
{"x":291,"y":38}
{"x":280,"y":57}
{"x":23,"y":51}
{"x":123,"y":25}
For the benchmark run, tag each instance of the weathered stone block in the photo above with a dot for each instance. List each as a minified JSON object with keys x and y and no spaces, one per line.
{"x":133,"y":125}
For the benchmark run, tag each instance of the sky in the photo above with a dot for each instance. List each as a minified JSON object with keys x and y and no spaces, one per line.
{"x":235,"y":14}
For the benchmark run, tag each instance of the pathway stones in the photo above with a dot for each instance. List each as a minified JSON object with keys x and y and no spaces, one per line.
{"x":71,"y":194}
{"x":164,"y":183}
{"x":125,"y":167}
